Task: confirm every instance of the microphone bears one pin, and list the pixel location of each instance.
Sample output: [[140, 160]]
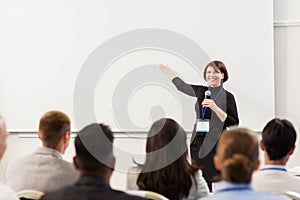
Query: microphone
[[207, 94]]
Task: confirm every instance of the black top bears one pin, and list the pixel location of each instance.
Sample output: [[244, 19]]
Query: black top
[[89, 188], [203, 145], [198, 91]]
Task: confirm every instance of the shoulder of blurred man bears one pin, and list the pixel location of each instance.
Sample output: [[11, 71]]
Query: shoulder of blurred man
[[89, 187]]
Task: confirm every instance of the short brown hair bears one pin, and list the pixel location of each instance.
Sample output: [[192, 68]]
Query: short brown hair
[[52, 126], [218, 66], [237, 150]]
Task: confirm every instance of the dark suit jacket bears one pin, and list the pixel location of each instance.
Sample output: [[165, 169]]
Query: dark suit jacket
[[89, 188]]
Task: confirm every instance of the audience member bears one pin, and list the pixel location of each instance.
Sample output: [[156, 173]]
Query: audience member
[[237, 158], [44, 169], [95, 161], [5, 192], [167, 170], [278, 144]]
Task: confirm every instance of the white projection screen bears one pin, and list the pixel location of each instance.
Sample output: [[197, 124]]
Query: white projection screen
[[98, 60]]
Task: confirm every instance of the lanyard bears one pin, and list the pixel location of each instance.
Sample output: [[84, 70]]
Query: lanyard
[[204, 108]]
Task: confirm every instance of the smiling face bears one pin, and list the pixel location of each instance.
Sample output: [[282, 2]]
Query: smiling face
[[213, 76]]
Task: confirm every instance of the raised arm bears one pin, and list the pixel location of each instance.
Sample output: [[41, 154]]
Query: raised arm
[[188, 89]]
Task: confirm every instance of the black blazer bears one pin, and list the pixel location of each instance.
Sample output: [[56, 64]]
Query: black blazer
[[89, 188]]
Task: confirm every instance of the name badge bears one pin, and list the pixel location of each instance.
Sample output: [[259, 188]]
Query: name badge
[[202, 126]]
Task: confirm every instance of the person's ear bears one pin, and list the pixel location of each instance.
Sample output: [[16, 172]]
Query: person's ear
[[222, 74], [39, 134], [257, 165], [75, 162], [292, 150], [262, 145], [217, 163], [66, 137]]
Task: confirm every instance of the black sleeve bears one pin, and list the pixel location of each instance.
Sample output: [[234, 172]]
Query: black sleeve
[[188, 89], [232, 114]]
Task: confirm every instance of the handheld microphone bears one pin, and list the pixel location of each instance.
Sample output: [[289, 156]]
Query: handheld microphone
[[207, 94]]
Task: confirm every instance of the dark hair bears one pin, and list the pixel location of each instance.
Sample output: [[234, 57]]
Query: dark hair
[[174, 180], [279, 137], [94, 148], [237, 151], [53, 125], [218, 66]]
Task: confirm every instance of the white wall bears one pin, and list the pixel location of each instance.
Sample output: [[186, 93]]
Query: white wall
[[287, 65], [46, 47]]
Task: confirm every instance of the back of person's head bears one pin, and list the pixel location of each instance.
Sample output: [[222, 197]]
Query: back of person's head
[[166, 135], [3, 136], [94, 149], [53, 126], [166, 169], [279, 137], [237, 155]]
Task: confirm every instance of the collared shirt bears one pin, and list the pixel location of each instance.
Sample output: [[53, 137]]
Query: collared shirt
[[42, 170], [273, 167], [275, 178], [48, 151], [227, 191]]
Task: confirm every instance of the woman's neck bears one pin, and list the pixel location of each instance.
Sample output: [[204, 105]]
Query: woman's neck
[[215, 88]]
